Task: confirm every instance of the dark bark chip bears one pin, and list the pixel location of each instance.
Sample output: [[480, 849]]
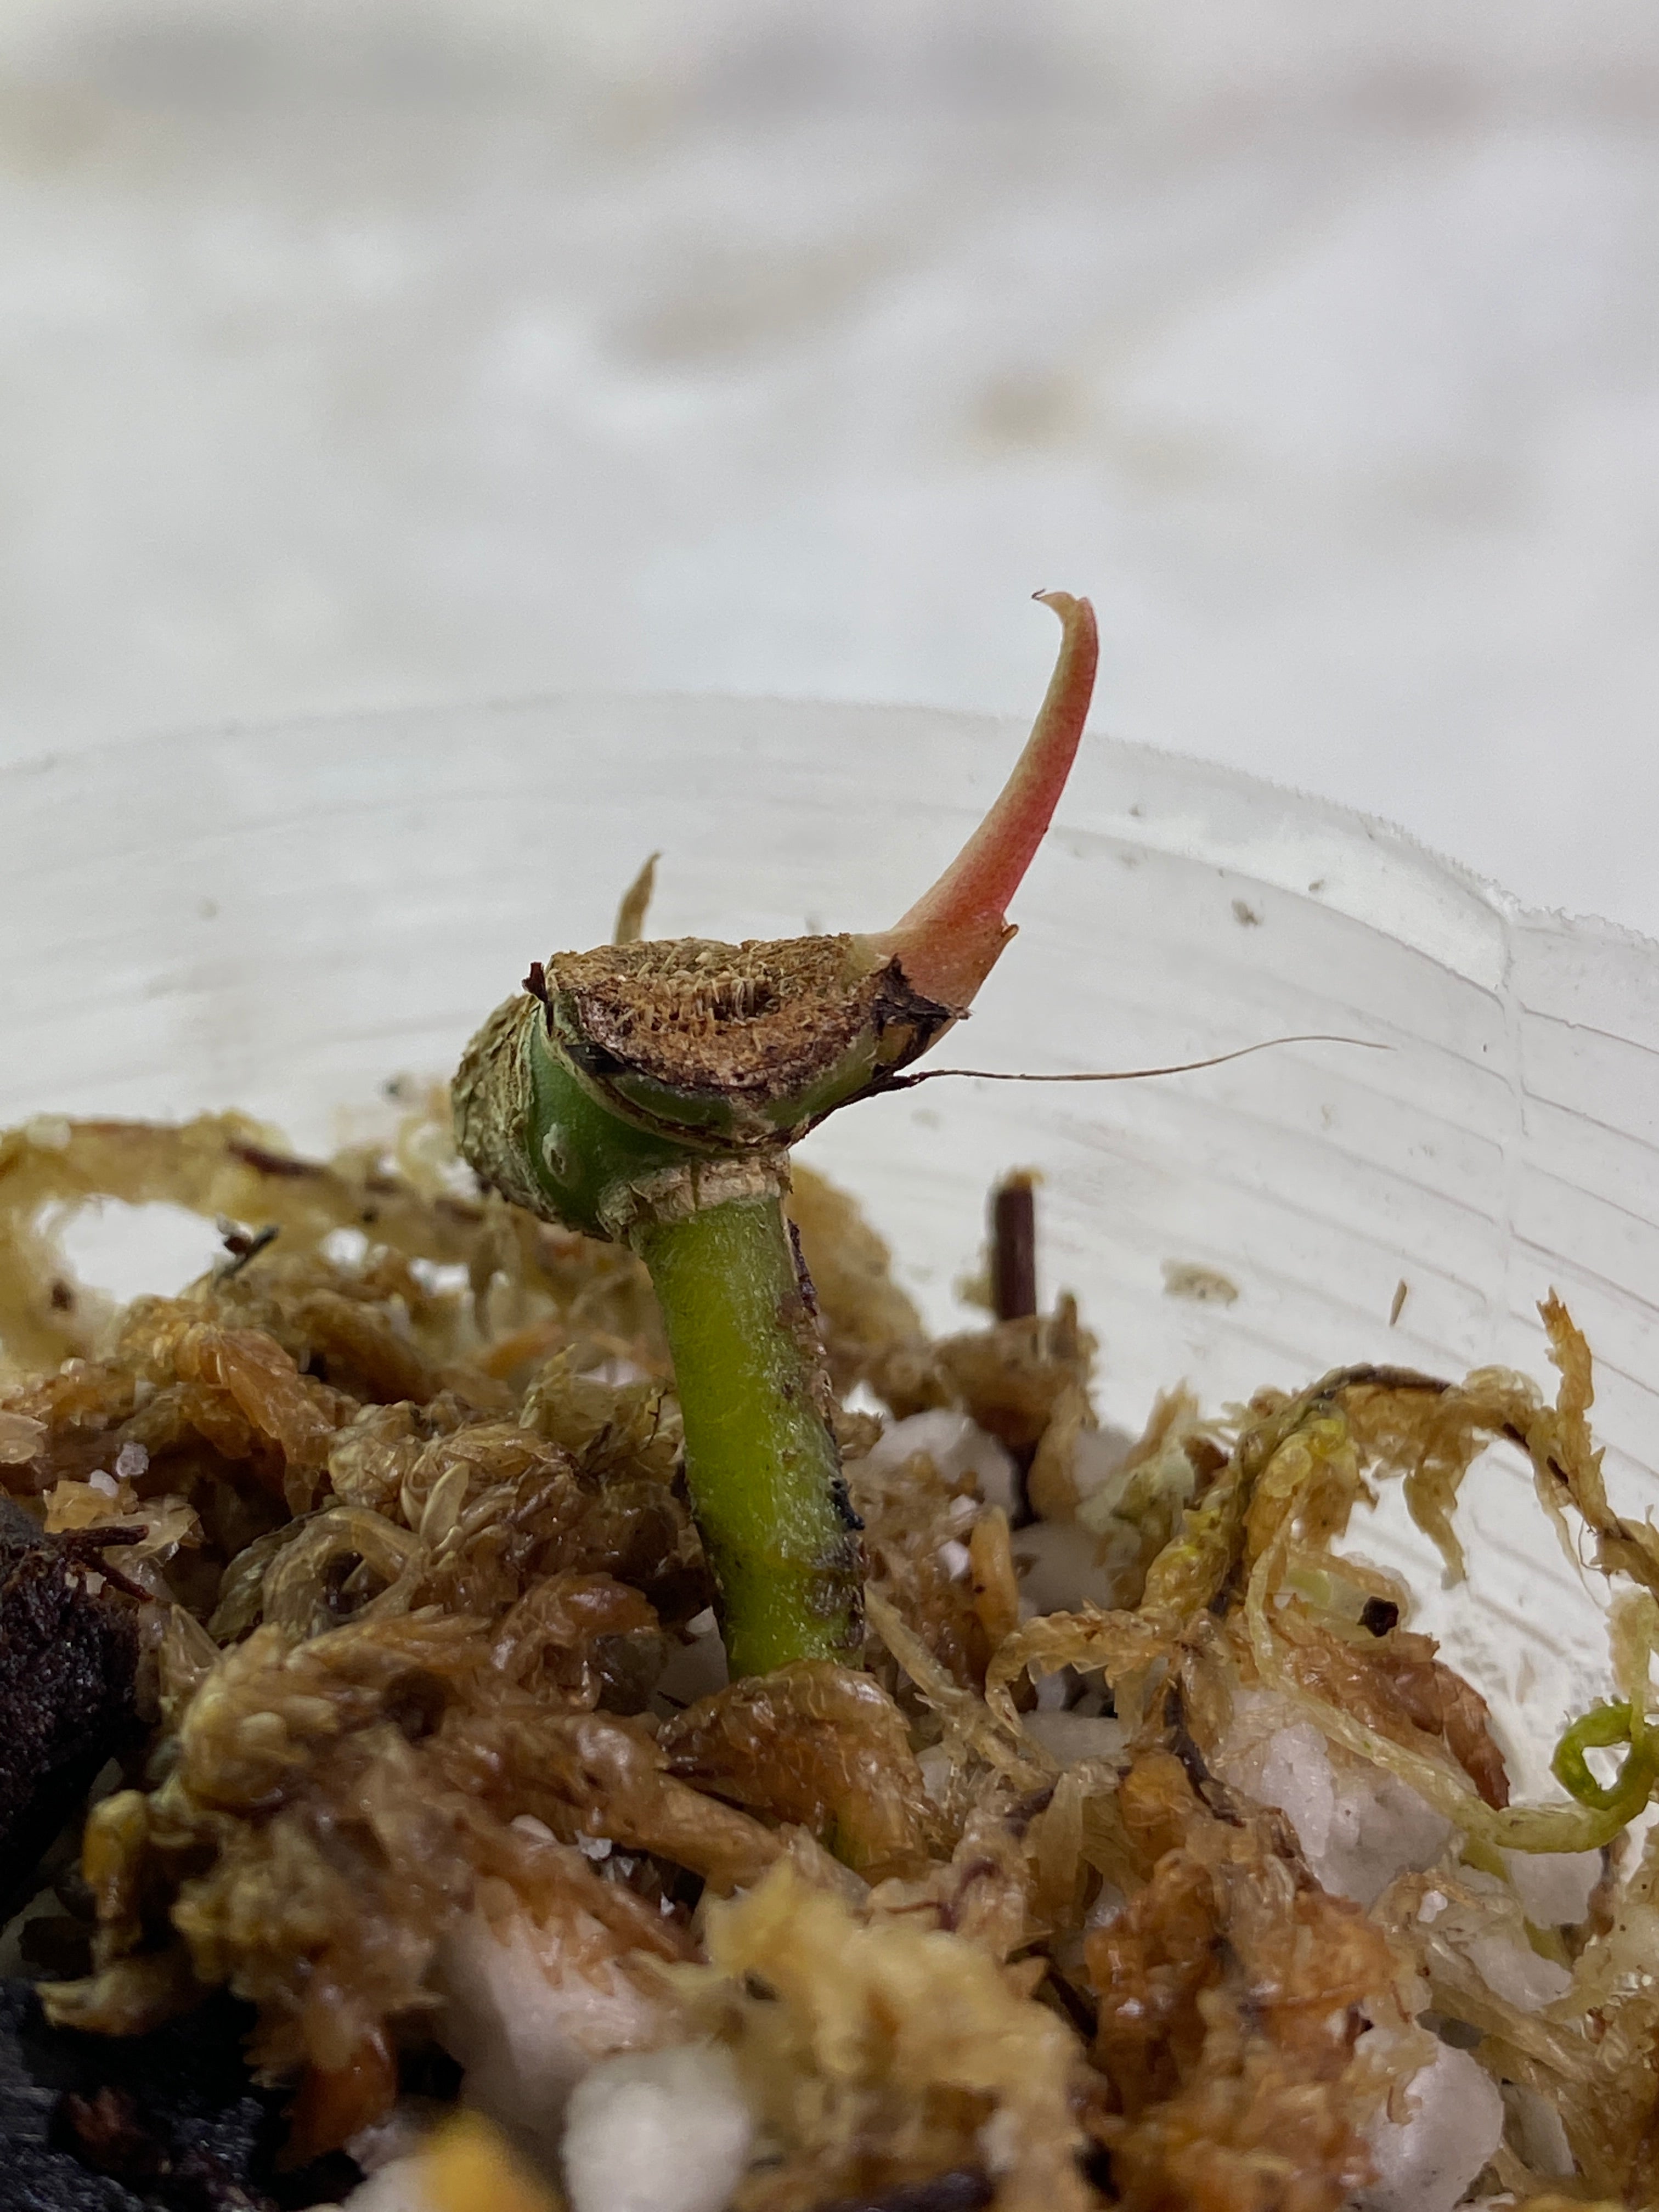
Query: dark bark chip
[[67, 1657], [170, 2122]]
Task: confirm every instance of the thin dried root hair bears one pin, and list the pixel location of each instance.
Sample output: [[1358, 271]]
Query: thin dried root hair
[[1135, 1074]]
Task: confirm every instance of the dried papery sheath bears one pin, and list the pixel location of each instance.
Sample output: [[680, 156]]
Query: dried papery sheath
[[648, 1091]]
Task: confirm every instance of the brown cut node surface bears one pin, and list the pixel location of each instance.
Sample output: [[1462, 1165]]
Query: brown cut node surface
[[762, 1020]]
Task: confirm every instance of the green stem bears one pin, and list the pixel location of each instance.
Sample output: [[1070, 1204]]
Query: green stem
[[762, 1465]]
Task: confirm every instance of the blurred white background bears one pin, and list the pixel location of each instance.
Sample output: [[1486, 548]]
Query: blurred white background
[[367, 351]]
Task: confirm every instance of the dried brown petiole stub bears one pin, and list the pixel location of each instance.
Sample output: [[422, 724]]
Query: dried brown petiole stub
[[649, 1092]]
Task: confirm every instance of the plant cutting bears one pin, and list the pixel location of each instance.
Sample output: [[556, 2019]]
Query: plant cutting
[[650, 1093]]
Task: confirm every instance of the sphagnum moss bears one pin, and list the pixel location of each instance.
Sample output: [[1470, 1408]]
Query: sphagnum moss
[[649, 1092]]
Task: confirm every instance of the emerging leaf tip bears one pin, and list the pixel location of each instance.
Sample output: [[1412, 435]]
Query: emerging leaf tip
[[950, 940]]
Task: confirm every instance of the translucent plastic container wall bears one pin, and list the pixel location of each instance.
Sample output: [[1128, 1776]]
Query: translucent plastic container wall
[[282, 920]]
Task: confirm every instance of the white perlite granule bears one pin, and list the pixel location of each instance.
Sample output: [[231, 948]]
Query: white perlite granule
[[527, 2021], [1513, 1971], [399, 2187], [396, 2136], [956, 1447], [662, 2131], [1454, 2122], [1071, 1737], [1059, 1571], [1555, 1886], [1357, 1825], [1538, 2134]]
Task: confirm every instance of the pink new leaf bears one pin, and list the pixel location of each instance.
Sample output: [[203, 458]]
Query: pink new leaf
[[950, 940]]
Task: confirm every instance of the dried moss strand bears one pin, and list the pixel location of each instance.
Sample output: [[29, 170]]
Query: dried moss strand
[[762, 1465]]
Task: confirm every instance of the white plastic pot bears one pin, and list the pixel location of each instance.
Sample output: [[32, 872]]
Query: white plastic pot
[[283, 919]]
